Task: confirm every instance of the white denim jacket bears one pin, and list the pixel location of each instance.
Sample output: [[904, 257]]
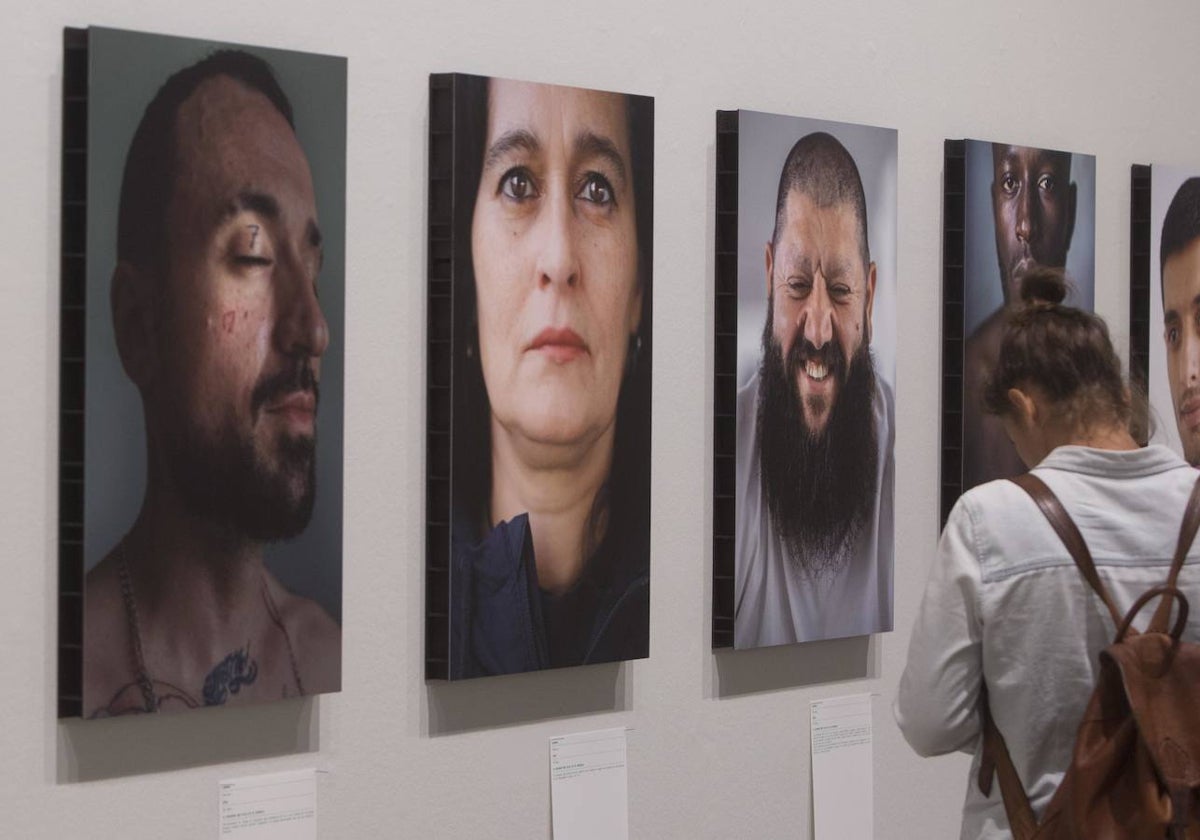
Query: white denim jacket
[[1006, 604]]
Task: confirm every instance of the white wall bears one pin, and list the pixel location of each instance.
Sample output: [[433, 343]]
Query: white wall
[[719, 747]]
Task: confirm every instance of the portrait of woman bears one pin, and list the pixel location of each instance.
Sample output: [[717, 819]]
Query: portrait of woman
[[550, 453]]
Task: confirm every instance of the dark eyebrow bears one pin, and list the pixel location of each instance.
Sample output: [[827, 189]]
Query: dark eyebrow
[[1173, 315], [266, 205], [258, 202], [516, 140], [588, 144]]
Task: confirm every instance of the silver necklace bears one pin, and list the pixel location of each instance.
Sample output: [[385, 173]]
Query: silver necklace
[[149, 695]]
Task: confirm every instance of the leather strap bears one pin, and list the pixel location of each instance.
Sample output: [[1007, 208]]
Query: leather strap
[[1065, 527], [1187, 534], [995, 757]]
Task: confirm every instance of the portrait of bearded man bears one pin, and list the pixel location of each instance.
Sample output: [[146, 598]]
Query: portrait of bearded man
[[815, 420]]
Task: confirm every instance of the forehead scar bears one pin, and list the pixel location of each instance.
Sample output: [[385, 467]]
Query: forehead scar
[[228, 320]]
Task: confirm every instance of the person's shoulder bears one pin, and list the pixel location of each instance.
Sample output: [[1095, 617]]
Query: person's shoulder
[[316, 639], [982, 345], [990, 500], [747, 395]]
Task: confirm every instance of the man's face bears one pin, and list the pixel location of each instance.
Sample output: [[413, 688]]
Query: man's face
[[239, 332], [822, 294], [1181, 334], [1034, 206]]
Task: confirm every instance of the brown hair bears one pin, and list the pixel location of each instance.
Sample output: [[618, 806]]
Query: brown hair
[[1064, 352]]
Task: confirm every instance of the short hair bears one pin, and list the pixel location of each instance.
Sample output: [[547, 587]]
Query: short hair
[[819, 167], [148, 180], [1181, 225], [1064, 351]]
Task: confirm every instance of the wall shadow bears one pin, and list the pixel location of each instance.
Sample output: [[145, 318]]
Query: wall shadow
[[782, 667], [89, 750], [512, 699]]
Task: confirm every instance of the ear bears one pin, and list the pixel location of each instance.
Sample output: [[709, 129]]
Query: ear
[[132, 297], [870, 308], [1025, 408], [770, 269]]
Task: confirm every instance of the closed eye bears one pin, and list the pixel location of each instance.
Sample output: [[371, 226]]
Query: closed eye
[[242, 259]]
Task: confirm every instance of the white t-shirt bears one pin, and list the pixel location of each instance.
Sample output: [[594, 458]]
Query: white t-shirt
[[1006, 604], [773, 603]]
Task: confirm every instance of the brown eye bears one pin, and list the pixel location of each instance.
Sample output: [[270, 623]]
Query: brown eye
[[517, 185], [597, 190]]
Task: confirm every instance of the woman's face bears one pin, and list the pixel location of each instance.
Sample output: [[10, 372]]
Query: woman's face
[[555, 256]]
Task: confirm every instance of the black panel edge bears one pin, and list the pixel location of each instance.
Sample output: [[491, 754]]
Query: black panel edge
[[72, 303], [724, 377], [439, 349], [1139, 293], [953, 216]]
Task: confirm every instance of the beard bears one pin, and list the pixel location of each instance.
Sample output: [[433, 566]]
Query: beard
[[228, 478], [819, 486]]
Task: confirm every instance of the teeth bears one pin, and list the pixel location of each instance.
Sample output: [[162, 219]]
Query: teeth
[[816, 370]]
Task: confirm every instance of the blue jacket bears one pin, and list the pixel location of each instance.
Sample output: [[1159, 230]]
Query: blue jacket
[[502, 623]]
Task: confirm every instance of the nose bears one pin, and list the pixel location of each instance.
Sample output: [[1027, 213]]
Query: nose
[[300, 326], [1191, 350], [816, 315], [558, 256], [1027, 211]]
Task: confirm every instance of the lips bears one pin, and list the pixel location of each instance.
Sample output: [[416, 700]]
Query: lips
[[559, 344], [298, 407], [1189, 412]]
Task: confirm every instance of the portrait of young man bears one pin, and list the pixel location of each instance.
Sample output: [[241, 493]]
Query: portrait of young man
[[1174, 376], [1025, 207], [816, 368], [213, 418]]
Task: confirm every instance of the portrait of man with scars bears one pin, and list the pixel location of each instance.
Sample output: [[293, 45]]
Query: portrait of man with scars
[[215, 301]]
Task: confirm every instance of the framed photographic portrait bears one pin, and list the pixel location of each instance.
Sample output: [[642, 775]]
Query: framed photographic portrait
[[540, 352], [1007, 209], [804, 416], [203, 260], [1164, 287]]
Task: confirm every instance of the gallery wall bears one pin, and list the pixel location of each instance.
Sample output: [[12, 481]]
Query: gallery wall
[[718, 744]]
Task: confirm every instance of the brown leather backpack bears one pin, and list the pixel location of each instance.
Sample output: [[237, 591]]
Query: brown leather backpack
[[1135, 771]]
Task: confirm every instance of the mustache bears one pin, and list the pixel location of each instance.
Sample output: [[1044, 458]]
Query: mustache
[[298, 377]]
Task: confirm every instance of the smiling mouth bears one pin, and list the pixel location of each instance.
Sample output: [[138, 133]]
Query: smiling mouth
[[815, 370]]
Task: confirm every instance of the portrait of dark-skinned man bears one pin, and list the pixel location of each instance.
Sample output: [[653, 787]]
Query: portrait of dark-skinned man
[[815, 413], [212, 516], [1025, 207]]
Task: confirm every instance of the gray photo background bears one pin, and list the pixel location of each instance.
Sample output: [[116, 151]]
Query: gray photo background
[[126, 70], [1164, 183], [764, 141], [981, 266]]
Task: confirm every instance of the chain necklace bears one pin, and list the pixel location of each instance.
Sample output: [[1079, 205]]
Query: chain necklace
[[149, 694]]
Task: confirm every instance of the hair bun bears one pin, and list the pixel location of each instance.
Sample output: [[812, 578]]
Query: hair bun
[[1044, 285]]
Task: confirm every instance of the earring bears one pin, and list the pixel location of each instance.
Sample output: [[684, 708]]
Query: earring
[[631, 354]]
